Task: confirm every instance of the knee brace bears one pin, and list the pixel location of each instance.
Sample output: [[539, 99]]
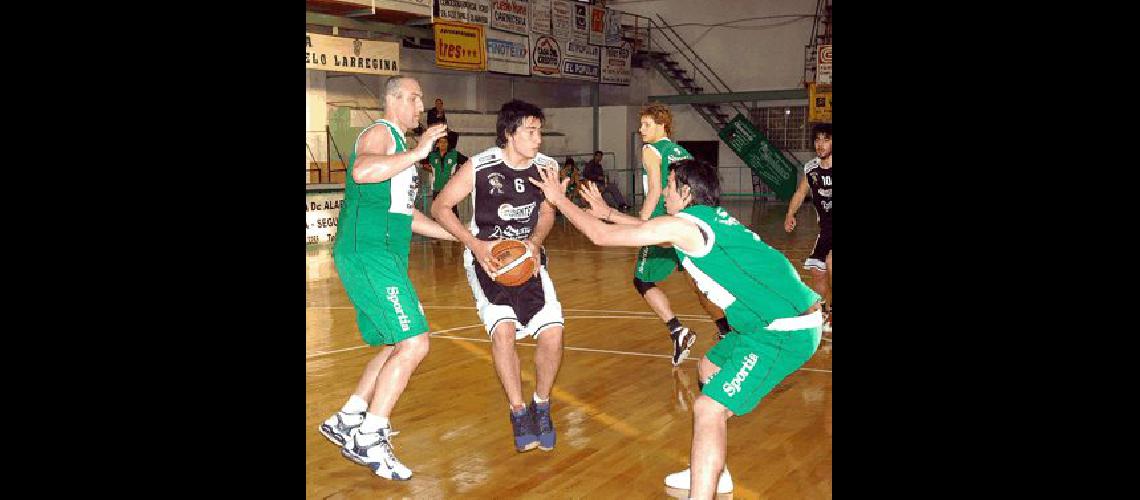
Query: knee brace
[[643, 286]]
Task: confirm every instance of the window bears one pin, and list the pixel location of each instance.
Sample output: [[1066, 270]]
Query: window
[[785, 127]]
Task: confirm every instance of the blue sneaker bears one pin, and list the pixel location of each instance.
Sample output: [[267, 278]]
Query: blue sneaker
[[545, 425], [526, 436]]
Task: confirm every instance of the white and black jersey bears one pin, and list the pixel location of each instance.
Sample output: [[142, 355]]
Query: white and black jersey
[[506, 206], [506, 203], [819, 180]]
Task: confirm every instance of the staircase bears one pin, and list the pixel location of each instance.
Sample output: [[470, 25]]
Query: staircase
[[689, 74]]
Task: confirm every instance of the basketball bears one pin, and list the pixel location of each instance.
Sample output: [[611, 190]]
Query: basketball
[[518, 263]]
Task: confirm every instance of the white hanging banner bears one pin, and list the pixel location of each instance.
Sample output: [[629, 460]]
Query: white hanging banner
[[352, 55], [616, 67], [464, 11], [322, 212], [510, 15], [545, 56], [613, 28], [508, 53], [581, 27], [561, 19], [581, 61], [597, 25], [540, 16], [823, 68]]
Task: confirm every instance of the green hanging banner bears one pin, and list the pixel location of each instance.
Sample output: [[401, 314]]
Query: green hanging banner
[[766, 160]]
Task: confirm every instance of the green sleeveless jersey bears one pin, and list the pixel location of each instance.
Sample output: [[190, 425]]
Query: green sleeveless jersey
[[378, 216], [669, 152], [752, 282], [443, 166]]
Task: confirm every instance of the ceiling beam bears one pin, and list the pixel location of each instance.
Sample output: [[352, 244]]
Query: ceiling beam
[[357, 24], [755, 95]]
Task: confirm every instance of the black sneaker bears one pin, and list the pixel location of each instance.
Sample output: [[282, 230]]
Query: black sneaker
[[683, 340]]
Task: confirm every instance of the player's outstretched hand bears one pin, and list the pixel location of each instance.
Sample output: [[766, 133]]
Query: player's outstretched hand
[[598, 207], [549, 183]]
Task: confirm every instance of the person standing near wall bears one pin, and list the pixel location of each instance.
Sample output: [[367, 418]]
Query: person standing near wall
[[371, 256], [817, 179], [443, 162], [438, 115]]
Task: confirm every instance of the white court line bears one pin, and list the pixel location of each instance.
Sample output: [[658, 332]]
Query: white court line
[[324, 353], [606, 351], [591, 251], [650, 313], [568, 348]]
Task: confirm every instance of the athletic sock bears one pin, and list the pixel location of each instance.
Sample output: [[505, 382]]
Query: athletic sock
[[373, 424], [355, 404]]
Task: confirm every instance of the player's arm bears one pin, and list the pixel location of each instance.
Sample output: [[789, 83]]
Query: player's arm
[[658, 231], [602, 210], [794, 204], [422, 224], [546, 213], [652, 162], [545, 222], [375, 160], [458, 187]]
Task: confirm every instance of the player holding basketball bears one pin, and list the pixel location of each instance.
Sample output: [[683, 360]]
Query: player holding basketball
[[507, 206], [371, 255], [655, 263], [817, 179], [776, 316]]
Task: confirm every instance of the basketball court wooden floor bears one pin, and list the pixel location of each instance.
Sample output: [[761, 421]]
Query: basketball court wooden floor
[[622, 412]]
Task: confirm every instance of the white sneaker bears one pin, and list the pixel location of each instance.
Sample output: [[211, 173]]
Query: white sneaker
[[680, 481], [375, 452], [339, 426]]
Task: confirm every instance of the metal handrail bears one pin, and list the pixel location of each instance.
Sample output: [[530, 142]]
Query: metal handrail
[[328, 139], [687, 58], [320, 179], [683, 42], [698, 56], [738, 106]]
